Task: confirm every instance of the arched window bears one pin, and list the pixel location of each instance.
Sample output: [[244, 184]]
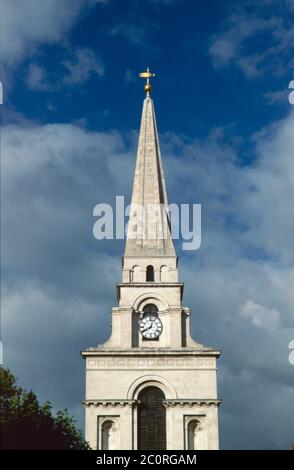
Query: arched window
[[192, 434], [107, 431], [150, 309], [150, 273], [151, 419]]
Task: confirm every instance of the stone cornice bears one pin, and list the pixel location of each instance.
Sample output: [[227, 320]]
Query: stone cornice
[[169, 403], [153, 256], [150, 284], [188, 402], [154, 285], [148, 352], [109, 403]]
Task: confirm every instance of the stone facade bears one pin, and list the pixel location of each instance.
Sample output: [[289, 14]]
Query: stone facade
[[118, 371]]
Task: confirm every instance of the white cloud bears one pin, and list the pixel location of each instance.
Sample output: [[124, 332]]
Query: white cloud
[[135, 35], [270, 202], [83, 64], [260, 316], [227, 46], [27, 24], [277, 97], [233, 44], [36, 77], [222, 50]]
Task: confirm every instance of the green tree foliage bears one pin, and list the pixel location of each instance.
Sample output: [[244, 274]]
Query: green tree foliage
[[25, 424]]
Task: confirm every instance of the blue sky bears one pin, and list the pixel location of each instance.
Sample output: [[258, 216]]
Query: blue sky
[[176, 38], [71, 113]]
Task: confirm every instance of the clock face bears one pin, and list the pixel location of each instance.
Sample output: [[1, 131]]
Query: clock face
[[150, 327]]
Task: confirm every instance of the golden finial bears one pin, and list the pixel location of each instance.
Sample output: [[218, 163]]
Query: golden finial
[[147, 75]]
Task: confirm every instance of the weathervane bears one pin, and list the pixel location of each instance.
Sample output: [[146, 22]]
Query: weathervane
[[147, 75]]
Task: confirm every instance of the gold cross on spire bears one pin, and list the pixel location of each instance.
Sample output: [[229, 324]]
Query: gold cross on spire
[[147, 75]]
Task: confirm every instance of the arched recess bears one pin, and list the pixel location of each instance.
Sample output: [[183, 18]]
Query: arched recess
[[135, 274], [108, 434], [195, 433], [151, 380], [163, 273], [150, 298], [151, 419], [192, 430]]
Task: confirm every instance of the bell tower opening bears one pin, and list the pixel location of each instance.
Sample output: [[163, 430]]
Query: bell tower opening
[[150, 273], [151, 419]]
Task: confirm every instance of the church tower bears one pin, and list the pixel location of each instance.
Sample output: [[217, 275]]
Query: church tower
[[150, 386]]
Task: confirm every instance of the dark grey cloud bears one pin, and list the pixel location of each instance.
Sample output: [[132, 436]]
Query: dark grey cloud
[[59, 283]]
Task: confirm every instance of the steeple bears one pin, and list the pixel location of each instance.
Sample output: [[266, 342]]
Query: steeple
[[153, 238], [150, 385]]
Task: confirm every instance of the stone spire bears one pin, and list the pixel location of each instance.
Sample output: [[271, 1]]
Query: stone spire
[[149, 192]]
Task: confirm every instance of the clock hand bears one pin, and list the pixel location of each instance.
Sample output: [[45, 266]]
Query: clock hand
[[146, 327], [152, 327]]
